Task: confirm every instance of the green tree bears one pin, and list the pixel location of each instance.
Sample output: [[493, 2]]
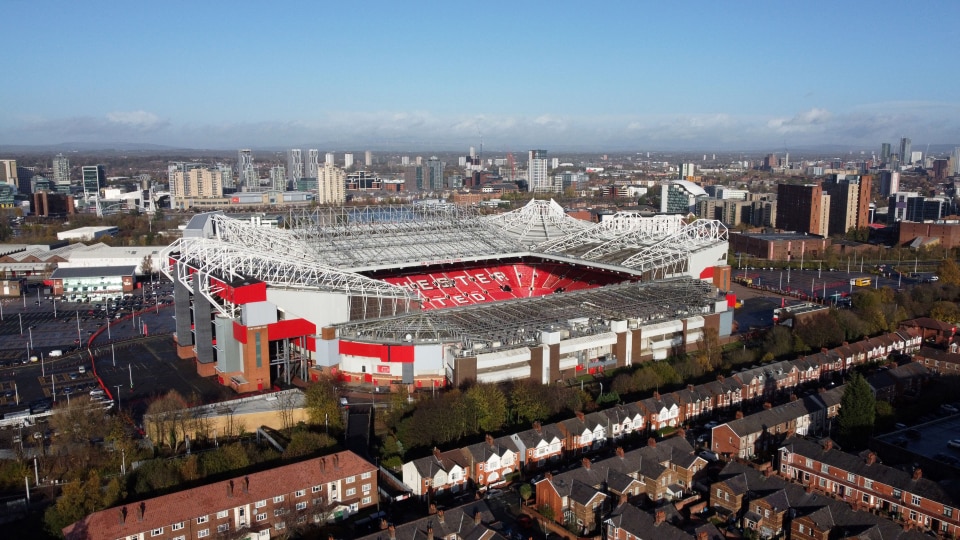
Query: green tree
[[778, 341], [525, 402], [858, 410], [323, 404], [946, 312], [525, 491], [78, 499], [303, 443], [489, 406]]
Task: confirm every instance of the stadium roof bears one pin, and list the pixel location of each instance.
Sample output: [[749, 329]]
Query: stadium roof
[[515, 323], [538, 222]]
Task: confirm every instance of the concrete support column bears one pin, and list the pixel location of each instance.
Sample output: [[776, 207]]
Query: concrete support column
[[202, 324], [181, 313]]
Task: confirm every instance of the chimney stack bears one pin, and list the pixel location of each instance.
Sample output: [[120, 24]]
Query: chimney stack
[[720, 378], [917, 473], [383, 524], [476, 517], [651, 442], [702, 535], [739, 415], [489, 439], [619, 451], [586, 463], [656, 395], [767, 405], [436, 453], [871, 458], [580, 415], [537, 427], [623, 498], [429, 533], [432, 509], [392, 532], [827, 445], [440, 516], [659, 517]]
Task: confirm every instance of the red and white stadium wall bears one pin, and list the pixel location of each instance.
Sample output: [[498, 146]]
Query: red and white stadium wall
[[380, 363]]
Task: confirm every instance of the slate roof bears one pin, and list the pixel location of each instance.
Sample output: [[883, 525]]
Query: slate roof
[[877, 472], [459, 521], [93, 271], [642, 525]]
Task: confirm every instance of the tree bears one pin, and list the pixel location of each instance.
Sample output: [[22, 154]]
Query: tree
[[858, 410], [146, 265], [525, 491], [709, 352], [778, 341], [489, 407], [949, 272], [946, 312], [525, 401], [323, 404], [170, 419], [78, 499]]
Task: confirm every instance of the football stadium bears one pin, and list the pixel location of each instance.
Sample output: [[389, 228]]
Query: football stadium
[[437, 295]]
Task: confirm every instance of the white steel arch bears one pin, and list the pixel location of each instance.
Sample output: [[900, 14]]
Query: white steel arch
[[537, 221], [671, 254]]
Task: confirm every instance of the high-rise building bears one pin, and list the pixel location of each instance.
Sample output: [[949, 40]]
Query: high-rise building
[[278, 178], [897, 205], [955, 162], [94, 179], [313, 163], [538, 181], [889, 183], [8, 172], [247, 174], [194, 181], [347, 161], [850, 197], [61, 172], [368, 158], [404, 161], [226, 175], [680, 197], [921, 209], [905, 151], [885, 153], [329, 158], [294, 167], [799, 208], [554, 163], [331, 185], [687, 170], [435, 174]]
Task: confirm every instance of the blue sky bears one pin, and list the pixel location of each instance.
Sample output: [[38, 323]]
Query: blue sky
[[591, 75]]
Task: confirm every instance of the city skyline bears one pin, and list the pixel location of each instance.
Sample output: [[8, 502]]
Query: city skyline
[[701, 76]]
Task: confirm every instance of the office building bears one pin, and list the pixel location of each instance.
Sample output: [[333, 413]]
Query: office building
[[368, 158], [897, 206], [328, 159], [94, 179], [885, 153], [331, 185], [889, 183], [955, 162], [799, 208], [905, 151], [687, 170], [347, 161], [226, 176], [537, 178], [680, 197], [61, 173], [922, 209], [294, 168]]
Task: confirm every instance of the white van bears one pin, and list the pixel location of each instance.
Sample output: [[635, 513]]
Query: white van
[[82, 370], [55, 353]]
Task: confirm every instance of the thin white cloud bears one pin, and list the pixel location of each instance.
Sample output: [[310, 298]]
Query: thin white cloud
[[138, 120]]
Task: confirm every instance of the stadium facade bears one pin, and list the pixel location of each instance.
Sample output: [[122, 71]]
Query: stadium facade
[[433, 295]]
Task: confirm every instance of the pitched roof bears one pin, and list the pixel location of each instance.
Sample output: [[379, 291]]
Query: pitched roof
[[460, 521], [642, 526], [162, 511]]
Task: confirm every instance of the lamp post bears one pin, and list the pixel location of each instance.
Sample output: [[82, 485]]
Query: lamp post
[[118, 396]]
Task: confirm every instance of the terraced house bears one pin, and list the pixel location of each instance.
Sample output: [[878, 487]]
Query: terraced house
[[257, 505]]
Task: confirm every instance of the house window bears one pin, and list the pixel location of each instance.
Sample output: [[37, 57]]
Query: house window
[[203, 519], [351, 479], [351, 492], [223, 528], [801, 528], [181, 537], [915, 500], [866, 498], [823, 482], [947, 511], [867, 483], [851, 477], [300, 493], [366, 488], [261, 517], [302, 505], [260, 504], [719, 493], [222, 514], [156, 532], [897, 494], [278, 512], [365, 475], [280, 525], [824, 468], [203, 534], [806, 477], [278, 499], [366, 500], [913, 515], [177, 526], [316, 489]]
